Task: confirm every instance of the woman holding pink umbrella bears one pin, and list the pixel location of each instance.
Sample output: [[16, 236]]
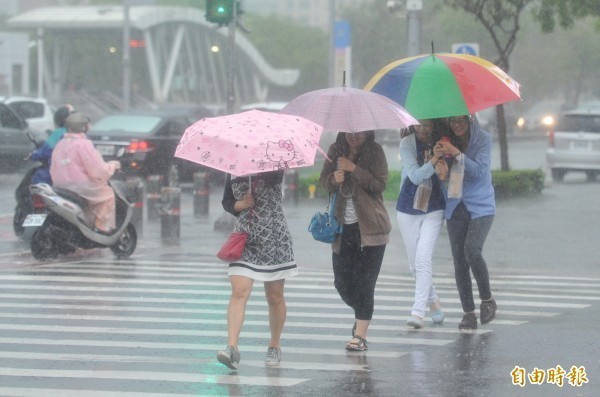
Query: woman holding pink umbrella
[[267, 257]]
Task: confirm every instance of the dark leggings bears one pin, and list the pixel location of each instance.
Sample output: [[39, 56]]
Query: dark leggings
[[355, 271], [467, 237]]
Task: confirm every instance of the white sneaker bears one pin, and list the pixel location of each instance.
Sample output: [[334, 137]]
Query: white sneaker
[[273, 356], [229, 357]]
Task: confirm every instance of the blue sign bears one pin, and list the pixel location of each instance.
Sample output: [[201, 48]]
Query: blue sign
[[466, 48], [342, 34]]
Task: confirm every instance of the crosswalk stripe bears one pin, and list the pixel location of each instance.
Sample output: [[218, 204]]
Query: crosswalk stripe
[[290, 287], [37, 392], [543, 304], [187, 346], [279, 381], [219, 268], [286, 364], [145, 307], [67, 329], [176, 271], [184, 311], [289, 324]]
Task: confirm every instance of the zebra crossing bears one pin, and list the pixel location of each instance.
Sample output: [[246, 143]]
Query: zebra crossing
[[151, 328]]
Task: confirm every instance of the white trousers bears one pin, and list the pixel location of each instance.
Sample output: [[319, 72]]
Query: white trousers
[[420, 233]]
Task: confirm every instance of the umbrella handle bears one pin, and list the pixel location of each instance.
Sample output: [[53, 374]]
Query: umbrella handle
[[324, 154]]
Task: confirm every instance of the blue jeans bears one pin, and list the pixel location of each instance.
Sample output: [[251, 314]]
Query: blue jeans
[[467, 237]]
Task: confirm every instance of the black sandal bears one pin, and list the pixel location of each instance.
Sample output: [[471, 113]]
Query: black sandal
[[357, 344]]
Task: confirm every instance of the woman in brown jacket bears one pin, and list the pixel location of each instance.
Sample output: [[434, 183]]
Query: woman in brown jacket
[[358, 172]]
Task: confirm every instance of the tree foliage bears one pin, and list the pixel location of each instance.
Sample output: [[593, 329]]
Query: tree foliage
[[565, 12], [501, 19], [285, 44]]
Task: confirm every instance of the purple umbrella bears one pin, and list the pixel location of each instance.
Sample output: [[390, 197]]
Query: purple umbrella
[[349, 110]]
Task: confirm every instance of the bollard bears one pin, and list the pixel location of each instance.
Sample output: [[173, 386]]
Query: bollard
[[170, 214], [311, 191], [135, 196], [153, 185], [291, 187], [201, 193]]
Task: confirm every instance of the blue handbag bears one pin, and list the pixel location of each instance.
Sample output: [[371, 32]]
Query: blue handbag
[[323, 225]]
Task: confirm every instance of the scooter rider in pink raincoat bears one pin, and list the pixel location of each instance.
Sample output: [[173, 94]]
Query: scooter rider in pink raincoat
[[77, 166]]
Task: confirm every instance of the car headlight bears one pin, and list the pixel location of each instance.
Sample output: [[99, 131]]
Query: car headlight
[[520, 122], [548, 120]]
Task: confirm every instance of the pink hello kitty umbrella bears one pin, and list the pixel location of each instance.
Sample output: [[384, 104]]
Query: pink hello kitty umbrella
[[251, 142]]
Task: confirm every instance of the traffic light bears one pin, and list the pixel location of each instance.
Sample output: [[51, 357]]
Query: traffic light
[[219, 11]]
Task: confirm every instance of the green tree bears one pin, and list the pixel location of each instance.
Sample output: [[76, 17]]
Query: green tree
[[502, 21], [566, 12], [285, 44]]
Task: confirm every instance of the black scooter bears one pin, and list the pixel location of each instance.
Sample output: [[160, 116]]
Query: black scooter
[[65, 228]]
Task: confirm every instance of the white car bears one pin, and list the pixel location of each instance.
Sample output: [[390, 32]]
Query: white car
[[36, 111], [574, 145]]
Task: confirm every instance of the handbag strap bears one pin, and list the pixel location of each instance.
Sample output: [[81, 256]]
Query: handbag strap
[[331, 205]]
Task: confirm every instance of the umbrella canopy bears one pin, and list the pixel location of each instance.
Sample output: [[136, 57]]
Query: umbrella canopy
[[349, 110], [444, 85], [251, 142]]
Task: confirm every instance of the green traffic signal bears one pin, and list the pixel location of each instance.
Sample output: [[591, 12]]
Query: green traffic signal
[[219, 11]]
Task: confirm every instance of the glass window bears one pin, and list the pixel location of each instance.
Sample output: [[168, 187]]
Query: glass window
[[8, 119], [177, 126], [132, 124], [28, 110], [575, 123]]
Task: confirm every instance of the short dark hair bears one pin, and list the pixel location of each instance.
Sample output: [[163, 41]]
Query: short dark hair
[[61, 114]]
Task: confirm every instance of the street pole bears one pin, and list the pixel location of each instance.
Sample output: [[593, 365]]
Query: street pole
[[331, 69], [231, 68], [126, 57], [41, 60], [414, 32]]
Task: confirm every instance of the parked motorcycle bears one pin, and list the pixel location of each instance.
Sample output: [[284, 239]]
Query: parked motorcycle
[[64, 227]]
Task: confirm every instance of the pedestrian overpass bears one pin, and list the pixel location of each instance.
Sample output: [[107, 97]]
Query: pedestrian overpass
[[175, 56]]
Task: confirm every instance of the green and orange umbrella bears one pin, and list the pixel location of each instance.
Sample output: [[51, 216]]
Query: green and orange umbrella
[[444, 85]]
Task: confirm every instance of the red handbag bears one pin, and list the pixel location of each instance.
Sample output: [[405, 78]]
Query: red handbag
[[233, 247]]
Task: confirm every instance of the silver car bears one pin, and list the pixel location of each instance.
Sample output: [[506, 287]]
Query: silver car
[[574, 145], [15, 145]]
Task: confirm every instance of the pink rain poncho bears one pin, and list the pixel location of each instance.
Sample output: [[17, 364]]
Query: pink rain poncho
[[77, 166]]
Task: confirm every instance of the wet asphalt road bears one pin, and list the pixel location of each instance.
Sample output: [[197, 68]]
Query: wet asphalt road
[[89, 313]]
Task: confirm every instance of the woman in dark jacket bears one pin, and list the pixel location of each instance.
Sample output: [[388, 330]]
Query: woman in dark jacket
[[358, 172]]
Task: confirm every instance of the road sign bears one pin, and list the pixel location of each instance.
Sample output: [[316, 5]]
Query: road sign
[[466, 48], [342, 69]]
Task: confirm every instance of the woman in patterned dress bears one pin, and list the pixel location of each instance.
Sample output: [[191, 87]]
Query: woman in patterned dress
[[267, 257]]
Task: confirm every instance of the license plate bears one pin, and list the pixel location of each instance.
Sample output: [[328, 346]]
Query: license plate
[[34, 220], [106, 150], [581, 145]]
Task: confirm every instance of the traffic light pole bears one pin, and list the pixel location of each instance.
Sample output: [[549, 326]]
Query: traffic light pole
[[126, 57], [231, 62]]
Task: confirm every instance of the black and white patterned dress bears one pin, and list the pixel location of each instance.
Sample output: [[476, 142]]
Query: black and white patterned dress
[[268, 254]]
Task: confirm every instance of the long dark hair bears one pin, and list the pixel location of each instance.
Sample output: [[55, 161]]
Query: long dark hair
[[340, 140]]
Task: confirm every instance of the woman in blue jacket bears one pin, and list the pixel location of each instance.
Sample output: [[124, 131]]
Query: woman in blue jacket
[[469, 215]]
